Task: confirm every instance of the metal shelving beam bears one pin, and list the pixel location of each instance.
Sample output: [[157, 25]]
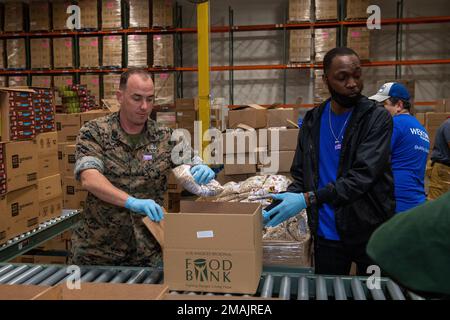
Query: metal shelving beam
[[27, 241]]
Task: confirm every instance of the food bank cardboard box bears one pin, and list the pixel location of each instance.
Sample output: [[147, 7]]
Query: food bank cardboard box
[[213, 247], [47, 144], [21, 164], [252, 115], [22, 210], [67, 125]]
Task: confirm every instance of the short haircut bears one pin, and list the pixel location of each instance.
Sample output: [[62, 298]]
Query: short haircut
[[406, 103], [127, 74], [330, 55]]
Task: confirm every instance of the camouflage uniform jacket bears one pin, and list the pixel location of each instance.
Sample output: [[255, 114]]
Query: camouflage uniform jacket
[[108, 234]]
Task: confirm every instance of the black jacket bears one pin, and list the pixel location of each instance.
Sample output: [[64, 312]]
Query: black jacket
[[363, 194]]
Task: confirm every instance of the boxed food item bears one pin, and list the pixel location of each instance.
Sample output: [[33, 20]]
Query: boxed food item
[[63, 53], [74, 195], [137, 50], [21, 163], [40, 53], [62, 81], [252, 115], [49, 187], [299, 10], [17, 81], [44, 107], [14, 16], [162, 13], [300, 43], [68, 126], [69, 159], [219, 249], [92, 82], [41, 81], [139, 13], [61, 156], [89, 52], [39, 15], [59, 10], [16, 54], [357, 9], [22, 210], [47, 144], [89, 14], [111, 14], [164, 88], [324, 41], [358, 39], [111, 84], [112, 51], [326, 9], [50, 209], [163, 53]]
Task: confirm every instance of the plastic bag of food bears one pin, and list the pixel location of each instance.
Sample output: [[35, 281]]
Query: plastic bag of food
[[184, 176]]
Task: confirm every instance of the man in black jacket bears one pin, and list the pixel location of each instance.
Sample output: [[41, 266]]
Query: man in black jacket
[[341, 170]]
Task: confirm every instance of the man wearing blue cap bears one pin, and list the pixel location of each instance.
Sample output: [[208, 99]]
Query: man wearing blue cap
[[409, 146]]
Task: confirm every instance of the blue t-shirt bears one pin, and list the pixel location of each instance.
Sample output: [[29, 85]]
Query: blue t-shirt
[[410, 145], [329, 152]]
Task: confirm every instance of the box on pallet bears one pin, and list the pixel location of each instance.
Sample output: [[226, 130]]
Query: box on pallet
[[324, 41], [163, 50], [59, 10], [13, 16], [63, 53], [326, 9], [17, 114], [137, 50], [111, 84], [357, 9], [112, 51], [164, 88], [111, 14], [41, 81], [15, 53], [282, 117], [300, 43], [358, 39], [89, 13], [252, 115], [39, 15], [139, 11], [40, 53], [92, 82], [162, 13], [89, 52], [299, 10], [91, 115]]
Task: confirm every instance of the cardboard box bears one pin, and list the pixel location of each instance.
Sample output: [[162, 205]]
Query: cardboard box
[[185, 104], [48, 165], [40, 53], [421, 118], [59, 10], [278, 117], [17, 81], [137, 50], [139, 13], [111, 14], [326, 9], [20, 292], [89, 57], [89, 14], [162, 13], [300, 44], [112, 51], [47, 143], [167, 119], [287, 253], [41, 81], [252, 115], [17, 114], [13, 16], [15, 53], [2, 57], [286, 139], [163, 52], [69, 159], [239, 141], [358, 39], [50, 208], [164, 88], [321, 92], [21, 164], [172, 201], [49, 187], [3, 82], [442, 105], [276, 161], [241, 163], [92, 81], [61, 155], [299, 10], [39, 15], [435, 119], [62, 53], [222, 178], [219, 249], [111, 84], [22, 210], [91, 115], [4, 221], [74, 195], [105, 291], [173, 186], [324, 41], [68, 126], [357, 9], [61, 81]]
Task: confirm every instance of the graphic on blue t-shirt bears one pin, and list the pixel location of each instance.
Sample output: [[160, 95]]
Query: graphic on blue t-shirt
[[410, 145], [332, 129]]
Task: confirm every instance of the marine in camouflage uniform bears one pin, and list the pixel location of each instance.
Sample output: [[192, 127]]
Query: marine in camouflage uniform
[[109, 234]]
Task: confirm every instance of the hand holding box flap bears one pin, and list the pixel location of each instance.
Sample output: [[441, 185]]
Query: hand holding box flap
[[156, 229]]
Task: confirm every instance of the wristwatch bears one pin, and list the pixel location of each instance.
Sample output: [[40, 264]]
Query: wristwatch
[[312, 198]]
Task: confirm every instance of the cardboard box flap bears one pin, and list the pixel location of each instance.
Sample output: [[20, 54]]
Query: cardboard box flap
[[20, 292], [156, 229], [214, 225], [251, 105], [17, 89]]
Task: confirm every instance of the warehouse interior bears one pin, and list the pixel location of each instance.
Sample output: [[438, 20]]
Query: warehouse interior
[[241, 67]]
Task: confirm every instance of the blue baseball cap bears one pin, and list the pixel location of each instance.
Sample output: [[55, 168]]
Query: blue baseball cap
[[391, 90]]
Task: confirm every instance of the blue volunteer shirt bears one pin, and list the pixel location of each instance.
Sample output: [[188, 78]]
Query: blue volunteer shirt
[[410, 145], [329, 152]]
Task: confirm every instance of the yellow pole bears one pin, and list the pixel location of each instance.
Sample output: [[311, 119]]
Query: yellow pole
[[203, 29]]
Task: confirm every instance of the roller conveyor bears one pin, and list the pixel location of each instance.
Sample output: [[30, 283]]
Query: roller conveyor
[[284, 284]]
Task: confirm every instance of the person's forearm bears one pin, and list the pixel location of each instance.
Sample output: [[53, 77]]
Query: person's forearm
[[97, 184]]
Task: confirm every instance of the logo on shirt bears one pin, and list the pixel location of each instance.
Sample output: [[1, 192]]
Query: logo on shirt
[[422, 134]]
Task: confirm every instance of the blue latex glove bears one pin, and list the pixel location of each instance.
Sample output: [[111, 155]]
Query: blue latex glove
[[291, 205], [145, 206], [202, 174]]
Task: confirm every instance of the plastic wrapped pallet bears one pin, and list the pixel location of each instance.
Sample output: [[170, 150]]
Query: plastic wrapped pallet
[[111, 14], [62, 52], [299, 10], [163, 50], [40, 53], [357, 9], [326, 9], [164, 88], [92, 82], [112, 51], [17, 81], [300, 45], [15, 52], [41, 81], [139, 13], [89, 52], [39, 15], [13, 13], [111, 84], [320, 90], [162, 13], [324, 40], [2, 52], [358, 39], [89, 14], [59, 10], [137, 50]]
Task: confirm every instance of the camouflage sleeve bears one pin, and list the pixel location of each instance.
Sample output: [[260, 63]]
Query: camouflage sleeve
[[88, 153], [181, 150]]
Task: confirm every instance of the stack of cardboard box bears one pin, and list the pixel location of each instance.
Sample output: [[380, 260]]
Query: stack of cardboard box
[[186, 114], [89, 52], [44, 108], [163, 50], [111, 14], [112, 51], [326, 10], [358, 39], [357, 9], [15, 52], [63, 53], [300, 45], [40, 53], [62, 81], [111, 84], [324, 40], [59, 10], [17, 81], [137, 50], [320, 90], [164, 88], [14, 18], [162, 13], [39, 15], [89, 14], [92, 82], [139, 13], [299, 10]]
